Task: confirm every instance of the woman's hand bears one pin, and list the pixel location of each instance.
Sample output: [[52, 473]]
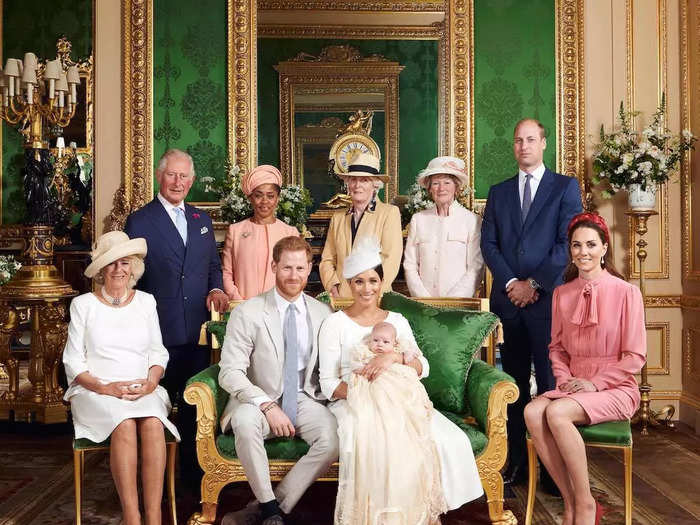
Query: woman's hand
[[335, 291], [379, 364], [116, 388], [136, 390], [576, 384]]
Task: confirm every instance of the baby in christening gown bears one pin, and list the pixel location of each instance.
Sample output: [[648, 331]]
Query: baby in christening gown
[[395, 465]]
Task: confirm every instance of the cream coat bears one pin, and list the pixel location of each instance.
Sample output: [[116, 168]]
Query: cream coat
[[252, 357], [443, 257], [384, 223]]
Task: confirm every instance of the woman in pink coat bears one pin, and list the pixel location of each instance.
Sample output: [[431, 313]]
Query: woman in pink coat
[[248, 247], [598, 344]]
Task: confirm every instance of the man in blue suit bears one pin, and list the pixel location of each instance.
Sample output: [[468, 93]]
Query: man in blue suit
[[183, 272], [524, 244]]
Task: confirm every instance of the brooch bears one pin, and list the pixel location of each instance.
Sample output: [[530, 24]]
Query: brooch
[[245, 234], [203, 230], [195, 215]]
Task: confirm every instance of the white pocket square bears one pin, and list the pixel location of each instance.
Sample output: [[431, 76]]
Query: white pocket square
[[203, 230]]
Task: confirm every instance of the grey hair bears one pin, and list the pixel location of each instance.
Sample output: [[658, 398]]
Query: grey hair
[[376, 182], [458, 184], [137, 269], [174, 152]]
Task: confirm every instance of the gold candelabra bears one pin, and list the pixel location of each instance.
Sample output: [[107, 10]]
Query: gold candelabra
[[36, 94], [645, 416]]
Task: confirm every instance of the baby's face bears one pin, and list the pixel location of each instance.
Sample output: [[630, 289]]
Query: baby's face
[[383, 339]]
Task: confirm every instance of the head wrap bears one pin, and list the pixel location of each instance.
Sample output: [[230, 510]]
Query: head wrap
[[589, 217], [365, 255], [264, 174]]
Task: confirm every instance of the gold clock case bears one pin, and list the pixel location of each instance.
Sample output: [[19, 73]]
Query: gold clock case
[[338, 147]]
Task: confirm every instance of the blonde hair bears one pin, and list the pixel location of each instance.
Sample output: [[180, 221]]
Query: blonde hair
[[137, 269]]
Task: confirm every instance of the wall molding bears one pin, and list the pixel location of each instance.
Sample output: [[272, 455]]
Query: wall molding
[[662, 301], [664, 367]]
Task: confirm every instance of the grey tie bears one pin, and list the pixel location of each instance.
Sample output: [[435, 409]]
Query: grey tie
[[181, 224], [527, 197], [291, 373]]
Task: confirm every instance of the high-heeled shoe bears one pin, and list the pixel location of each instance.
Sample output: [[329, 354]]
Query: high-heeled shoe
[[598, 512]]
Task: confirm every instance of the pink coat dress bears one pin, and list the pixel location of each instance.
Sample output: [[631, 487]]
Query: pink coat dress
[[247, 255], [598, 334]]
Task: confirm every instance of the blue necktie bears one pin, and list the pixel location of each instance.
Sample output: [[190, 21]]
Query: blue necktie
[[527, 197], [291, 373], [181, 224]]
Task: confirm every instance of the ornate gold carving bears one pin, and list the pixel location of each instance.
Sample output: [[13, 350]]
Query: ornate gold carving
[[431, 32], [8, 330], [357, 5], [664, 367], [691, 346], [690, 302], [629, 55], [137, 60], [339, 54], [53, 334], [571, 133], [242, 83], [662, 301]]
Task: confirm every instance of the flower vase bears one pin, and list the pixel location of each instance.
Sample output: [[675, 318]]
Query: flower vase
[[639, 199]]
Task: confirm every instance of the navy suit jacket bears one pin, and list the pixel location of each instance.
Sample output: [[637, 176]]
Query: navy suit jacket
[[179, 277], [538, 248]]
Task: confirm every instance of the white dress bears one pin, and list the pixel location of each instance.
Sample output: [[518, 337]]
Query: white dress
[[113, 344], [338, 337]]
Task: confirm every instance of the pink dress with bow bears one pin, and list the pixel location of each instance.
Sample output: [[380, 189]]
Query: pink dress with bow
[[598, 334]]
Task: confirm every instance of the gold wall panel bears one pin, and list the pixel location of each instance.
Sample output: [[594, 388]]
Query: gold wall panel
[[691, 362], [357, 5], [658, 348]]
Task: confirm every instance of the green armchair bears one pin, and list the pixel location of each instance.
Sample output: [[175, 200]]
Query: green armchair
[[481, 414]]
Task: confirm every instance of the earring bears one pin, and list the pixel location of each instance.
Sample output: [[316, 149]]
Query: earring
[[602, 262]]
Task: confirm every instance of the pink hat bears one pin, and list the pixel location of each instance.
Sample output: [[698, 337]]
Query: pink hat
[[264, 174]]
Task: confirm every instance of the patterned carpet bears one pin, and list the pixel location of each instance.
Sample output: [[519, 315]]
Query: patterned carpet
[[36, 485]]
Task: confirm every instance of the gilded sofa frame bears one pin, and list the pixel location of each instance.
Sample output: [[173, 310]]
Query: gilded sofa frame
[[220, 471]]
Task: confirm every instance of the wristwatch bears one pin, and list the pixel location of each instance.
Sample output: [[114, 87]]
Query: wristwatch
[[533, 284]]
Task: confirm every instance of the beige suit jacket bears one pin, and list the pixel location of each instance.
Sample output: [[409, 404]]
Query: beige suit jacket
[[384, 223], [252, 357]]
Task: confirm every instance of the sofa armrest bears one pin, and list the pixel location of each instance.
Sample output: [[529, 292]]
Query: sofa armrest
[[203, 390], [489, 391]]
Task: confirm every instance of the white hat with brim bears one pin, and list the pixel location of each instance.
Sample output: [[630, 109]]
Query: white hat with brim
[[365, 165], [111, 247], [365, 255], [444, 166]]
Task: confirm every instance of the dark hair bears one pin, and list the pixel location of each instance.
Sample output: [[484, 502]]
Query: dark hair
[[379, 269], [278, 189], [543, 131], [571, 271], [293, 243]]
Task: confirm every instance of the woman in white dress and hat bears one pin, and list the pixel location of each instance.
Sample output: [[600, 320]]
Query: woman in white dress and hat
[[442, 256], [367, 216], [114, 359]]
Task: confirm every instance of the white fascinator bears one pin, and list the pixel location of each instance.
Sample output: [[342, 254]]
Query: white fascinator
[[365, 255]]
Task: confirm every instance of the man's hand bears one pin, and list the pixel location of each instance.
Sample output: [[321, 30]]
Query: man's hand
[[217, 300], [521, 293], [576, 384], [280, 424]]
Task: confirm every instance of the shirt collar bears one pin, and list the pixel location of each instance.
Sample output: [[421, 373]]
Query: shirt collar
[[282, 303], [371, 207], [537, 173], [169, 207]]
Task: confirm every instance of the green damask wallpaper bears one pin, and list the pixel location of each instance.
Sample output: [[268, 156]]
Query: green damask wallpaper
[[418, 108], [189, 94], [514, 77], [36, 26]]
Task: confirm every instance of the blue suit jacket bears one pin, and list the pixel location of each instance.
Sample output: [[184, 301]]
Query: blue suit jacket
[[538, 248], [179, 278]]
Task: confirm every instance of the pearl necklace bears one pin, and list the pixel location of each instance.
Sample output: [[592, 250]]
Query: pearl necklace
[[116, 301]]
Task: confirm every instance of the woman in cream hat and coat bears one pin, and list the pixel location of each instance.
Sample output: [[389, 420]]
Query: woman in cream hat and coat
[[443, 257], [367, 217], [114, 359]]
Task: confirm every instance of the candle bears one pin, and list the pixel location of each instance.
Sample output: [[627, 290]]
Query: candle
[[60, 144], [60, 99], [30, 94]]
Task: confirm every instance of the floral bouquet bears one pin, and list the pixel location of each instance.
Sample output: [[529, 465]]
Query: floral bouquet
[[626, 158], [8, 268], [419, 199], [235, 206]]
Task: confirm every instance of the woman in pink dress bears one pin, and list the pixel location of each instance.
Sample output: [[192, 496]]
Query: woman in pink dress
[[248, 247], [598, 344]]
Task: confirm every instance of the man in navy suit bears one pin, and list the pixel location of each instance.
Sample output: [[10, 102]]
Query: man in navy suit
[[524, 244], [183, 272]]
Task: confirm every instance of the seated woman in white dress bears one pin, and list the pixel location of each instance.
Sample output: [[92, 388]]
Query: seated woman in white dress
[[387, 455], [114, 360]]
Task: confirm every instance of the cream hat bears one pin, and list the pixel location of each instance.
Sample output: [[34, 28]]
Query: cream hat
[[364, 165], [112, 246], [365, 255], [444, 166]]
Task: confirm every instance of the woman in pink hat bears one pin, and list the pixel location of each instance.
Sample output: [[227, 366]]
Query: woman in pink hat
[[247, 253], [442, 256]]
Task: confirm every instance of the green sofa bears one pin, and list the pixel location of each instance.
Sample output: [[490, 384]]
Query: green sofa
[[478, 406]]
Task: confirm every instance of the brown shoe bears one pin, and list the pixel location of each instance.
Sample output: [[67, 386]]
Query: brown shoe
[[250, 515]]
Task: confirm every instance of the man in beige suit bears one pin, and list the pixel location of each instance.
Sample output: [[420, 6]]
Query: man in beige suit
[[269, 365], [367, 217]]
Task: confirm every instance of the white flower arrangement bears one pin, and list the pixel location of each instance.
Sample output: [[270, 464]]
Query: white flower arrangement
[[624, 158], [8, 268]]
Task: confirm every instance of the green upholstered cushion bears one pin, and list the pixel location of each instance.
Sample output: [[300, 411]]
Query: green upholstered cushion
[[324, 297], [477, 438], [210, 376], [448, 338], [480, 381], [86, 444], [217, 328], [610, 433], [277, 448]]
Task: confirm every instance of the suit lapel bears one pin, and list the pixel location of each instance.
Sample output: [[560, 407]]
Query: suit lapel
[[515, 207], [193, 235], [541, 197], [367, 223], [347, 230], [272, 322], [166, 227]]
